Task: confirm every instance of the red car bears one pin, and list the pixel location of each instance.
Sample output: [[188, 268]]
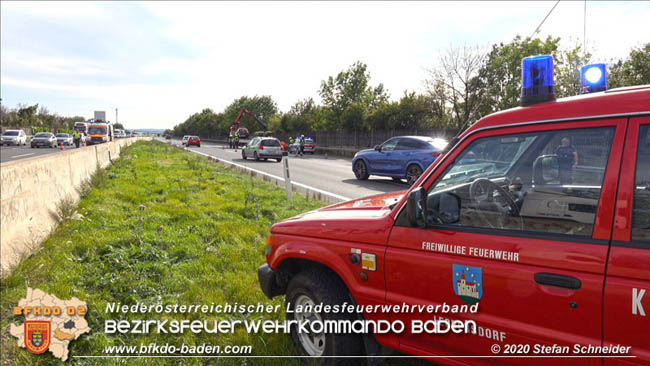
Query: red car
[[532, 231], [194, 140]]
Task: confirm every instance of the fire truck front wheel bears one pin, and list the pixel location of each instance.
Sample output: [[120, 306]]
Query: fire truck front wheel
[[311, 288]]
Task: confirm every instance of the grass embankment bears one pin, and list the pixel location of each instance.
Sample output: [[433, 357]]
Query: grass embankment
[[214, 223]]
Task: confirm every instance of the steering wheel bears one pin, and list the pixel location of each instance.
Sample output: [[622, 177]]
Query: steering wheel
[[490, 210]]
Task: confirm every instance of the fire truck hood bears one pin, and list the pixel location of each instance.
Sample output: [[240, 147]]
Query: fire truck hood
[[357, 217], [378, 201]]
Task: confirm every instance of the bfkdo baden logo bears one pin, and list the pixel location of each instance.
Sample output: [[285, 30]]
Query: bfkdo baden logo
[[468, 283], [50, 323]]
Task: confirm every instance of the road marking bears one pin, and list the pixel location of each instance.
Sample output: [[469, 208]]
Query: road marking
[[334, 195], [18, 156]]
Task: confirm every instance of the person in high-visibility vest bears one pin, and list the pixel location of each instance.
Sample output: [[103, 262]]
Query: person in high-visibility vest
[[77, 138], [302, 145], [236, 139], [230, 139]]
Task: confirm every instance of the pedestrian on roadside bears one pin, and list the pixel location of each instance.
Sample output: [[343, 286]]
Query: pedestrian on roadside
[[231, 137], [76, 136], [236, 140], [302, 145], [284, 145]]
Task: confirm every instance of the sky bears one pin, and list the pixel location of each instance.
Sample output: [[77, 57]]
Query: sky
[[160, 62]]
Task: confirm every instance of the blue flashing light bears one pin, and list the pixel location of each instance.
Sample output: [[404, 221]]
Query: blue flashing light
[[593, 78], [538, 85]]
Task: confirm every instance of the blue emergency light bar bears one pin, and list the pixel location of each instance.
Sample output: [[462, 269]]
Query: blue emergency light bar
[[538, 85], [593, 78]]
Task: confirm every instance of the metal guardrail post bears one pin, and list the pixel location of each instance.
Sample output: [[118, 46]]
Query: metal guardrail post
[[287, 177]]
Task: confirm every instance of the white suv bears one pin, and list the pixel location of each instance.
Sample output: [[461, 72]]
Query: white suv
[[14, 137]]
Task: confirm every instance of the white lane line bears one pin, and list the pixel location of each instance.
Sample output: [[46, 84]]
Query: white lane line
[[18, 156], [334, 195]]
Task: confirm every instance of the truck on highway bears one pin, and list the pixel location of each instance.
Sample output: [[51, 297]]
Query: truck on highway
[[100, 116], [528, 236], [99, 133], [81, 127]]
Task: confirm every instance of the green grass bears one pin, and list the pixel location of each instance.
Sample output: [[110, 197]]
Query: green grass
[[215, 222]]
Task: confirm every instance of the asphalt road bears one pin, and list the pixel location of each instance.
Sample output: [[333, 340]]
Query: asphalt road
[[12, 153], [332, 175]]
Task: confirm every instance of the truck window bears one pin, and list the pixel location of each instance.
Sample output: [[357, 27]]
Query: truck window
[[641, 213], [542, 182]]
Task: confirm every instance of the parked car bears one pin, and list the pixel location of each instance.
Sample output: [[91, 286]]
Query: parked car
[[45, 139], [243, 133], [184, 140], [310, 146], [538, 216], [168, 137], [403, 157], [14, 137], [63, 138], [263, 148], [193, 140]]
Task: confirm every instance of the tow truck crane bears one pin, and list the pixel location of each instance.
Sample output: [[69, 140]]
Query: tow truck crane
[[235, 125]]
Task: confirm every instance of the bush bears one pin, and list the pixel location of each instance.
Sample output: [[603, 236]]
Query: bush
[[36, 130]]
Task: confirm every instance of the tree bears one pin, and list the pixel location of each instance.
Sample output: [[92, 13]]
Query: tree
[[437, 96], [263, 107], [499, 79], [457, 74], [300, 117], [567, 71], [634, 70], [118, 126], [27, 116], [350, 97]]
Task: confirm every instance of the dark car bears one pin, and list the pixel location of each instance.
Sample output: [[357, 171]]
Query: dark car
[[243, 133], [45, 139], [403, 157]]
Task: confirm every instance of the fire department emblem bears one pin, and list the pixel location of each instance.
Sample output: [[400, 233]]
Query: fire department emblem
[[468, 283], [37, 335]]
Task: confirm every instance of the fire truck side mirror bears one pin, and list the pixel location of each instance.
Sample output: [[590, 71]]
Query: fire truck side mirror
[[416, 207]]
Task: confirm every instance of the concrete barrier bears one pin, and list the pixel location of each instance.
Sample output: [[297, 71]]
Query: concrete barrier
[[33, 188]]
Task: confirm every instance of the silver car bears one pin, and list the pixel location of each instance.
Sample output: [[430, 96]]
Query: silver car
[[14, 137], [64, 138], [45, 139], [263, 148]]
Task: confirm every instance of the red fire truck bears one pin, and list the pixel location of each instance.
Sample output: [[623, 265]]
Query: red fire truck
[[539, 216]]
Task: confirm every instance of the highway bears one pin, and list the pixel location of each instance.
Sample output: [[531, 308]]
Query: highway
[[13, 153], [332, 175]]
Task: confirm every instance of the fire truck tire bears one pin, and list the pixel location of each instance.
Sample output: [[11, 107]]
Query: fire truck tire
[[313, 287]]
